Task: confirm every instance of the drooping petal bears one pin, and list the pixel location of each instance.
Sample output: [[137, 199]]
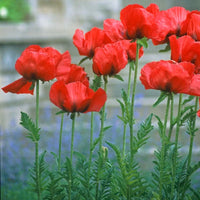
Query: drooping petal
[[20, 86]]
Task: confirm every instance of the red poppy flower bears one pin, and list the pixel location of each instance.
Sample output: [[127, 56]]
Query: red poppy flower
[[168, 22], [181, 48], [137, 21], [192, 25], [35, 63], [87, 43], [114, 29], [68, 72], [130, 48], [167, 76], [185, 49], [76, 97], [110, 59]]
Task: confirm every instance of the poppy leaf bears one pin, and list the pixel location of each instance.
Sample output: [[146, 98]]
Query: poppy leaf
[[161, 98], [29, 125], [117, 76]]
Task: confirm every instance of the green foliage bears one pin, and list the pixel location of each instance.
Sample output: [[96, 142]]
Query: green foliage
[[54, 190], [43, 175], [29, 125], [97, 83], [161, 98], [142, 133], [14, 11], [125, 105]]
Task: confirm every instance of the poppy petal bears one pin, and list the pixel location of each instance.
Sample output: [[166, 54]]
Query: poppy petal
[[20, 86]]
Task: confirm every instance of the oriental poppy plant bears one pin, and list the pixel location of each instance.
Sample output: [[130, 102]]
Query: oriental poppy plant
[[35, 63], [86, 44], [167, 76], [137, 20], [76, 97], [110, 59]]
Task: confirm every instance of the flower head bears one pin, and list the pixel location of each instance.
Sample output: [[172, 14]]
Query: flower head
[[76, 97], [168, 22], [86, 44], [167, 76], [35, 63], [137, 20], [110, 59], [187, 49]]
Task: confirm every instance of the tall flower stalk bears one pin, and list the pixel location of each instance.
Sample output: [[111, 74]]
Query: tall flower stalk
[[131, 121], [60, 142], [73, 117], [36, 144]]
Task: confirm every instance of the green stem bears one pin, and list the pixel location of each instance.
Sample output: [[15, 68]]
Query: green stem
[[192, 135], [128, 95], [91, 142], [60, 141], [176, 145], [163, 147], [36, 143], [101, 141], [171, 117], [191, 146], [129, 78], [131, 122], [72, 136], [102, 117]]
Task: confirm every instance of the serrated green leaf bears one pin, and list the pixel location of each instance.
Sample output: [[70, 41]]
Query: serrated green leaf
[[96, 141], [29, 125], [161, 98], [106, 128]]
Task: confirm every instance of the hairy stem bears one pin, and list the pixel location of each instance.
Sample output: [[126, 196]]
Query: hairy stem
[[176, 145], [163, 147], [36, 143], [171, 117], [91, 142], [131, 121], [60, 141], [101, 141], [73, 116]]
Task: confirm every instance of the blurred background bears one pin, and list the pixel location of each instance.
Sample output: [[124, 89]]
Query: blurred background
[[53, 23]]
